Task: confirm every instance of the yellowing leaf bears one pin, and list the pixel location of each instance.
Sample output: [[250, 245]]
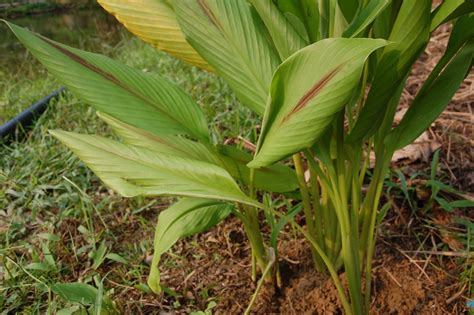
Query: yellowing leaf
[[154, 21]]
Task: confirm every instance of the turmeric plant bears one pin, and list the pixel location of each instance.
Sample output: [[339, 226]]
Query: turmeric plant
[[325, 77]]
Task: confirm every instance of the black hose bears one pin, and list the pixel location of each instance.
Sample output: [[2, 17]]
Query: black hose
[[26, 117]]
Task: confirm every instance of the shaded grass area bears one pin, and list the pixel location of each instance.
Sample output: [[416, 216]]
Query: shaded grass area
[[58, 223]]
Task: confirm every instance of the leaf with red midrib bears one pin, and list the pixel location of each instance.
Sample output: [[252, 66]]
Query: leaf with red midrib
[[145, 101], [318, 86], [307, 92]]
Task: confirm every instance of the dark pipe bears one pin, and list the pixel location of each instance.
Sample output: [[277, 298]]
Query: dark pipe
[[25, 118]]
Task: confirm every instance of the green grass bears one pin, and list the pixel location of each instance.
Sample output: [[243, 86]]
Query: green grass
[[20, 89], [55, 212]]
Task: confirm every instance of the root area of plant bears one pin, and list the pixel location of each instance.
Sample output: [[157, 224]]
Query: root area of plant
[[218, 269]]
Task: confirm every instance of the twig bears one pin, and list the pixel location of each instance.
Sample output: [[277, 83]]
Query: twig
[[443, 253], [392, 277], [414, 262], [456, 295]]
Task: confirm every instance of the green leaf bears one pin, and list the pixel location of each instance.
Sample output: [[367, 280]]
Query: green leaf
[[449, 10], [428, 105], [383, 212], [278, 178], [73, 310], [170, 145], [368, 14], [232, 40], [333, 19], [116, 258], [349, 8], [450, 206], [46, 267], [99, 298], [76, 292], [133, 171], [383, 24], [281, 224], [462, 31], [184, 218], [308, 89], [434, 164], [98, 256], [284, 36], [49, 237], [340, 23], [275, 178], [155, 22], [143, 100], [48, 256], [409, 36], [303, 15]]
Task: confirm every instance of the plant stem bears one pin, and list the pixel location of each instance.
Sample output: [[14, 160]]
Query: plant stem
[[370, 200], [332, 237], [349, 249], [252, 229], [317, 208], [308, 211], [332, 271], [371, 232], [254, 266]]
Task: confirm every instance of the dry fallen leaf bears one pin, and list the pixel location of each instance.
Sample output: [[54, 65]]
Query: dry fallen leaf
[[420, 149]]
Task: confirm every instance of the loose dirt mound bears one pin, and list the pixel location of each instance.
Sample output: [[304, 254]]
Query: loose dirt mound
[[401, 284], [399, 287]]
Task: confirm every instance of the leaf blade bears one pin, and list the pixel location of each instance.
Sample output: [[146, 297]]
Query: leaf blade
[[409, 36], [448, 10], [184, 218], [143, 100], [154, 21], [368, 14], [133, 171], [228, 36], [428, 105], [284, 36], [277, 178], [304, 103]]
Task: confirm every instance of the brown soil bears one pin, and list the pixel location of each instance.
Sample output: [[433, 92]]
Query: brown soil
[[399, 287], [219, 265]]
